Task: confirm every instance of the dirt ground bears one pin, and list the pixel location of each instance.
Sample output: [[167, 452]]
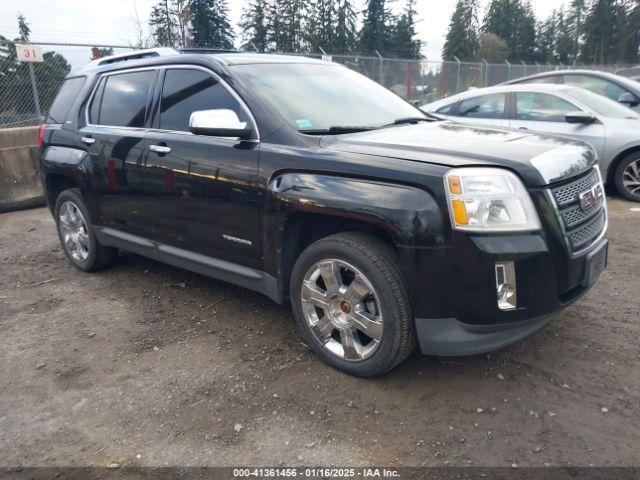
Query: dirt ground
[[157, 366]]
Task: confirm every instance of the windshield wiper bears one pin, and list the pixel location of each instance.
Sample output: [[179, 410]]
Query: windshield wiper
[[338, 129], [403, 120]]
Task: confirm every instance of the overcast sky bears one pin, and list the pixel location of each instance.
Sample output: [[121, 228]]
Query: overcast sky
[[112, 21]]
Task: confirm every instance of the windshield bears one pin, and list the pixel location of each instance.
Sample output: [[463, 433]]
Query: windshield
[[601, 105], [316, 97]]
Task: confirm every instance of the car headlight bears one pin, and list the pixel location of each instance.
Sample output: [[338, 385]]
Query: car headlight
[[485, 199]]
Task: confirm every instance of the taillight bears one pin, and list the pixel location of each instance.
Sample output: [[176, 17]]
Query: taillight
[[40, 135]]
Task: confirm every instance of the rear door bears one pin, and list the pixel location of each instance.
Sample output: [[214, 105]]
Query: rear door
[[202, 189], [545, 113], [114, 134], [487, 110]]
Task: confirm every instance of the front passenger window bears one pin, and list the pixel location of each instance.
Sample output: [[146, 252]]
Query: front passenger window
[[483, 106], [185, 91], [542, 107]]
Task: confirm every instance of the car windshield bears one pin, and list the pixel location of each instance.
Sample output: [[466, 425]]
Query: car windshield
[[601, 105], [319, 98]]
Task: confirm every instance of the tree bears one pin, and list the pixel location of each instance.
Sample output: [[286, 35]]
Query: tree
[[374, 34], [602, 32], [162, 24], [402, 34], [564, 41], [254, 26], [462, 37], [632, 33], [492, 48], [575, 21], [546, 39], [321, 20], [23, 28], [210, 25], [345, 32], [514, 22]]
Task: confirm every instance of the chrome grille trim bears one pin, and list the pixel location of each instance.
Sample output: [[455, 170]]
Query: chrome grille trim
[[581, 229]]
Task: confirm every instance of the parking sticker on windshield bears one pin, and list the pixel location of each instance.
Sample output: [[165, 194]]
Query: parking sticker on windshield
[[304, 123]]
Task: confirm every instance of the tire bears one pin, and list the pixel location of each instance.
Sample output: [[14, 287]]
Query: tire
[[360, 321], [627, 177], [76, 235]]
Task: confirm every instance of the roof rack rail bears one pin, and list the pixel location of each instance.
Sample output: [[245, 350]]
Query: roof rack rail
[[135, 55]]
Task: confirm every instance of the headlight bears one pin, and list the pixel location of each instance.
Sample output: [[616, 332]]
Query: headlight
[[486, 199]]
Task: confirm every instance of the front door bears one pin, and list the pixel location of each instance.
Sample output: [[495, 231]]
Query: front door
[[489, 110], [202, 194], [545, 113]]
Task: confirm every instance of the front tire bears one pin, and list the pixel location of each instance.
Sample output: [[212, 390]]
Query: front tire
[[627, 177], [351, 302], [76, 235]]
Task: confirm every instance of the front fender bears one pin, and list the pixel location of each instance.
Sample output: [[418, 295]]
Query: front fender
[[409, 215]]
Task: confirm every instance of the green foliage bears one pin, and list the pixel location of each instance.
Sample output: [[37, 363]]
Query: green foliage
[[254, 26], [603, 32], [462, 38], [514, 22], [210, 26], [374, 35]]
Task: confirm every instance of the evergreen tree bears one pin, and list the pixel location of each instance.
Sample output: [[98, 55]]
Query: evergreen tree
[[255, 27], [546, 39], [345, 33], [514, 22], [632, 33], [564, 41], [23, 28], [462, 37], [402, 38], [210, 25], [602, 32], [162, 24], [375, 33], [575, 24], [321, 22]]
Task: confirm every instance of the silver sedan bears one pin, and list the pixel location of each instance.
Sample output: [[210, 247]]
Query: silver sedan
[[612, 129]]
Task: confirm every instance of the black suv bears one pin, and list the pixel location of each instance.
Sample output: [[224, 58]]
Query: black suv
[[313, 185]]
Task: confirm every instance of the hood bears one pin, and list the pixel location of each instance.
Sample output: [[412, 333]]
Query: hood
[[539, 160]]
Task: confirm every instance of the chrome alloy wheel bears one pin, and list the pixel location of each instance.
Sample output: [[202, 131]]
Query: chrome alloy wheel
[[631, 177], [342, 309], [73, 228]]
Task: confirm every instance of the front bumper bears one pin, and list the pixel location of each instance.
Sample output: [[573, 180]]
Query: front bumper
[[467, 321]]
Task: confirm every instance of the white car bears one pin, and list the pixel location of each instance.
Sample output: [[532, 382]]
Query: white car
[[612, 129]]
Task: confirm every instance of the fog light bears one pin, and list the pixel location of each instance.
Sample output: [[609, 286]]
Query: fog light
[[506, 285]]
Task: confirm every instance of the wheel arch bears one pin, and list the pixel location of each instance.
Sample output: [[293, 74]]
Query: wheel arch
[[613, 166], [55, 184]]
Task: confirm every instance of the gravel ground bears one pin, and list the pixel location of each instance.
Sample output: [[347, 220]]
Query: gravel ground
[[157, 366]]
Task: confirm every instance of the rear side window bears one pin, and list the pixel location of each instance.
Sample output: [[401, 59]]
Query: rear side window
[[483, 106], [596, 85], [64, 100], [185, 91], [447, 109], [124, 99]]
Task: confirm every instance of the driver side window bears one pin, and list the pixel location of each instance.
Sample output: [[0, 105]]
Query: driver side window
[[542, 107]]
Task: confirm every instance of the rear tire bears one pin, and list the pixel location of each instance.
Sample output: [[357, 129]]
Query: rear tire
[[627, 177], [76, 234], [359, 320]]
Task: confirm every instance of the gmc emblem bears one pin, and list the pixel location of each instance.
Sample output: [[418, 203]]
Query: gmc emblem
[[591, 197]]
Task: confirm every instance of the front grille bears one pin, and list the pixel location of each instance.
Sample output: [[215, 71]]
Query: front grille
[[581, 227]]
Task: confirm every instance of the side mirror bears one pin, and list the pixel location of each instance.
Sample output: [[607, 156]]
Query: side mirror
[[219, 123], [628, 99], [579, 117]]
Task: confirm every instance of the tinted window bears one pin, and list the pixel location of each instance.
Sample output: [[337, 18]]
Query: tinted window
[[484, 106], [124, 100], [64, 100], [596, 85], [94, 108], [185, 91], [542, 107]]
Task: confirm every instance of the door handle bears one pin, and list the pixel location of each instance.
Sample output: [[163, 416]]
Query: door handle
[[88, 140], [160, 149]]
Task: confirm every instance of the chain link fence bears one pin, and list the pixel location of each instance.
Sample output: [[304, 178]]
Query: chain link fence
[[25, 99]]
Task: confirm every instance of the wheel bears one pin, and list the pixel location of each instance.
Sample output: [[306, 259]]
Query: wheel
[[351, 302], [627, 177], [76, 235]]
